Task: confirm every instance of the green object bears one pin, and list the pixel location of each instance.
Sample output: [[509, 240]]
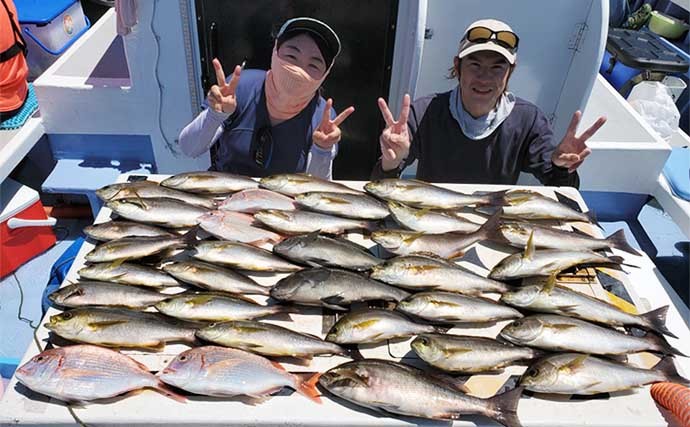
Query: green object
[[667, 26], [639, 17]]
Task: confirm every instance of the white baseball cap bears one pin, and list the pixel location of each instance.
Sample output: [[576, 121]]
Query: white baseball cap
[[499, 38]]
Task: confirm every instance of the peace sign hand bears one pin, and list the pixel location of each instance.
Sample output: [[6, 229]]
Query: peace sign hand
[[573, 150], [395, 138], [328, 133], [221, 97]]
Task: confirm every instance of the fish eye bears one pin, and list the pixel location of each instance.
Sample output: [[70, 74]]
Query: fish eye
[[67, 315], [183, 358], [211, 325], [39, 359], [517, 323], [533, 372]]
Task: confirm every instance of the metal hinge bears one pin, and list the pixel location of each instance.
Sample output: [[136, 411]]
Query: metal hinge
[[578, 36]]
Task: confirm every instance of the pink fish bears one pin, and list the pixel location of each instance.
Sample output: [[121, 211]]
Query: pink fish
[[82, 373], [236, 226], [254, 200]]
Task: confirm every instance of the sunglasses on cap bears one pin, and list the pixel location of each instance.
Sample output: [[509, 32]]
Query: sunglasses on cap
[[507, 39]]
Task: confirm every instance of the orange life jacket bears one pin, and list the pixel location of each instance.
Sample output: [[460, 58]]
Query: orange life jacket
[[13, 68]]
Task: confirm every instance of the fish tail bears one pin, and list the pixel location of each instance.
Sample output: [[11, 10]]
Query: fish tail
[[656, 319], [189, 238], [308, 388], [617, 240], [167, 392], [498, 198], [592, 216], [490, 229], [668, 369], [504, 407], [662, 345]]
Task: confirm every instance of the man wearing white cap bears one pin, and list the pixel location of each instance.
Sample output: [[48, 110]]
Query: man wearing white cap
[[479, 132]]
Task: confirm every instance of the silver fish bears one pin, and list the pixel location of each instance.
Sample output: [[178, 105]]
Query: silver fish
[[426, 273], [358, 206], [300, 222], [425, 195], [81, 373], [468, 354], [256, 199], [127, 274], [447, 245], [546, 262], [374, 325], [298, 183], [166, 212], [137, 247], [517, 234], [559, 333], [400, 389], [148, 190], [574, 373], [209, 182], [112, 230], [267, 339], [314, 249], [451, 307], [550, 298], [237, 226], [428, 221], [525, 204], [332, 288], [119, 328], [215, 308], [214, 278], [105, 294], [242, 256], [227, 372]]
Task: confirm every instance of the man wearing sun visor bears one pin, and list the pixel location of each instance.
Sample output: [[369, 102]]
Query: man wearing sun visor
[[480, 132]]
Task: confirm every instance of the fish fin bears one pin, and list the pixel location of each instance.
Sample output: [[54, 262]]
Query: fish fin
[[581, 232], [335, 200], [550, 284], [664, 345], [199, 300], [668, 368], [617, 240], [529, 249], [105, 324], [657, 320], [413, 236], [365, 324], [189, 238], [333, 299], [456, 383], [167, 392], [504, 407], [569, 309], [118, 262], [560, 327], [333, 306], [454, 351], [574, 364], [352, 352], [457, 254], [308, 388]]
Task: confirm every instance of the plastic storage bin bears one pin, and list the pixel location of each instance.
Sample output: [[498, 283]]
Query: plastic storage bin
[[633, 56], [49, 27], [25, 230]]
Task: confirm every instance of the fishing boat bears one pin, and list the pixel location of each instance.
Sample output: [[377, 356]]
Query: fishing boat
[[114, 104]]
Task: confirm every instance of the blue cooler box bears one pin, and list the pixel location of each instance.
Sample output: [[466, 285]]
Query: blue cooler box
[[49, 27], [630, 53]]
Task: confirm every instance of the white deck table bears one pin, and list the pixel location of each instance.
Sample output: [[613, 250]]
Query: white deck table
[[646, 286]]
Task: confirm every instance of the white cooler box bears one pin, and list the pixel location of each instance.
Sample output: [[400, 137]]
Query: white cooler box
[[49, 27]]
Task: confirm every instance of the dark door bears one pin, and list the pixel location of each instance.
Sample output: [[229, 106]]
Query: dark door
[[234, 31]]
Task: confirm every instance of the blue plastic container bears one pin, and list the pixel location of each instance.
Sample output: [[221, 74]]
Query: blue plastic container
[[7, 366], [630, 53]]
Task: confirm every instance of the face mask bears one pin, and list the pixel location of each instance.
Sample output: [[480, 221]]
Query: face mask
[[288, 88], [484, 126]]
